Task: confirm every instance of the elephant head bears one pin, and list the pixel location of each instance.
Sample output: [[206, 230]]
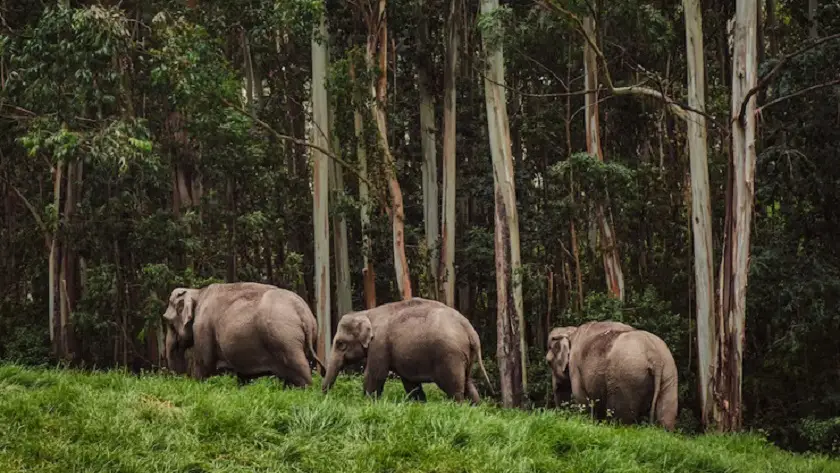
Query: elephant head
[[179, 317], [559, 348], [350, 345]]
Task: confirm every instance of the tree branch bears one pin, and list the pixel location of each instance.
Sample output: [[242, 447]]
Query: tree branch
[[765, 79], [301, 142], [800, 92], [678, 109], [32, 210]]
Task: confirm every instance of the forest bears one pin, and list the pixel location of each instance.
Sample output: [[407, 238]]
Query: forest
[[531, 163]]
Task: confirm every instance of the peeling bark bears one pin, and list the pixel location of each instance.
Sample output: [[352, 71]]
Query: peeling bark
[[731, 313], [428, 144], [700, 205], [447, 268], [320, 178], [377, 46], [510, 322], [609, 245]]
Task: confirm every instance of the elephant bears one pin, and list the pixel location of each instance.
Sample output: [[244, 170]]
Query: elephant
[[418, 339], [617, 367], [250, 329]]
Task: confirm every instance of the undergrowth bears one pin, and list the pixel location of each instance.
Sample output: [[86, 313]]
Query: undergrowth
[[67, 421]]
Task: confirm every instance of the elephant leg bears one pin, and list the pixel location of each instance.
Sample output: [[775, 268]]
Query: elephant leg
[[451, 379], [414, 390], [205, 362], [298, 374], [376, 370], [622, 409], [472, 392]]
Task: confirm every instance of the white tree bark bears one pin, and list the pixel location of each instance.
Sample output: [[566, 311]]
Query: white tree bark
[[429, 147], [700, 204], [447, 270], [320, 137], [609, 245], [736, 249], [510, 349]]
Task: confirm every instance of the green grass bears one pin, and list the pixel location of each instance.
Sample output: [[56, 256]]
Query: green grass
[[66, 421]]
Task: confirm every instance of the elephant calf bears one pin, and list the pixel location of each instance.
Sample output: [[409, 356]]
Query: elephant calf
[[620, 368], [420, 340], [250, 329]]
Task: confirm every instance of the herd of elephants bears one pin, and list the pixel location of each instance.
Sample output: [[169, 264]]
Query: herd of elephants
[[254, 329]]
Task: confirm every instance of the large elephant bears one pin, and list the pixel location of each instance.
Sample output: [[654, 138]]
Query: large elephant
[[251, 329], [420, 340], [617, 367]]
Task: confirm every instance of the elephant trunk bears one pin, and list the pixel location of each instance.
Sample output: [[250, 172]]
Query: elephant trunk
[[333, 367], [175, 358]]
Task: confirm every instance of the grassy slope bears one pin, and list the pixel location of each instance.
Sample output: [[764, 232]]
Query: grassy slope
[[53, 421]]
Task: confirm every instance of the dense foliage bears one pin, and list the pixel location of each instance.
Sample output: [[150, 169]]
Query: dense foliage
[[171, 177]]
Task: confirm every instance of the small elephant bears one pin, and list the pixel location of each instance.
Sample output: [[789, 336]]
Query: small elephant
[[628, 371], [250, 329], [420, 340]]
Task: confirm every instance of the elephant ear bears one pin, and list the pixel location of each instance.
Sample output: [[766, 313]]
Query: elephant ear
[[183, 313], [365, 331], [558, 353]]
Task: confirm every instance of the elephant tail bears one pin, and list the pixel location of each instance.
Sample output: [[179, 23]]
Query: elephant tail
[[311, 339], [475, 346], [657, 383]]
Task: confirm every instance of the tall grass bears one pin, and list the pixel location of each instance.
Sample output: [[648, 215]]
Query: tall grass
[[65, 421]]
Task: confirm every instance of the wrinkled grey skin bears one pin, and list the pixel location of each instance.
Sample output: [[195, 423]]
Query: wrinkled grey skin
[[420, 340], [250, 329], [630, 372]]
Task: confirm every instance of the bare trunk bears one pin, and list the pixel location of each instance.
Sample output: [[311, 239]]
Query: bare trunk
[[67, 272], [740, 193], [700, 205], [609, 245], [813, 29], [447, 275], [344, 301], [510, 324], [572, 230], [53, 262], [378, 36], [231, 224], [320, 178], [429, 167], [368, 274]]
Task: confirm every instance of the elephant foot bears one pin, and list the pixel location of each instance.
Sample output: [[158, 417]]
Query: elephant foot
[[415, 391]]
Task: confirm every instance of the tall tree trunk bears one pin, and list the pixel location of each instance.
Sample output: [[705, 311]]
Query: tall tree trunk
[[320, 178], [447, 268], [739, 205], [609, 245], [230, 191], [510, 349], [700, 204], [813, 28], [344, 300], [378, 36], [572, 229], [55, 339], [368, 273], [428, 144]]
